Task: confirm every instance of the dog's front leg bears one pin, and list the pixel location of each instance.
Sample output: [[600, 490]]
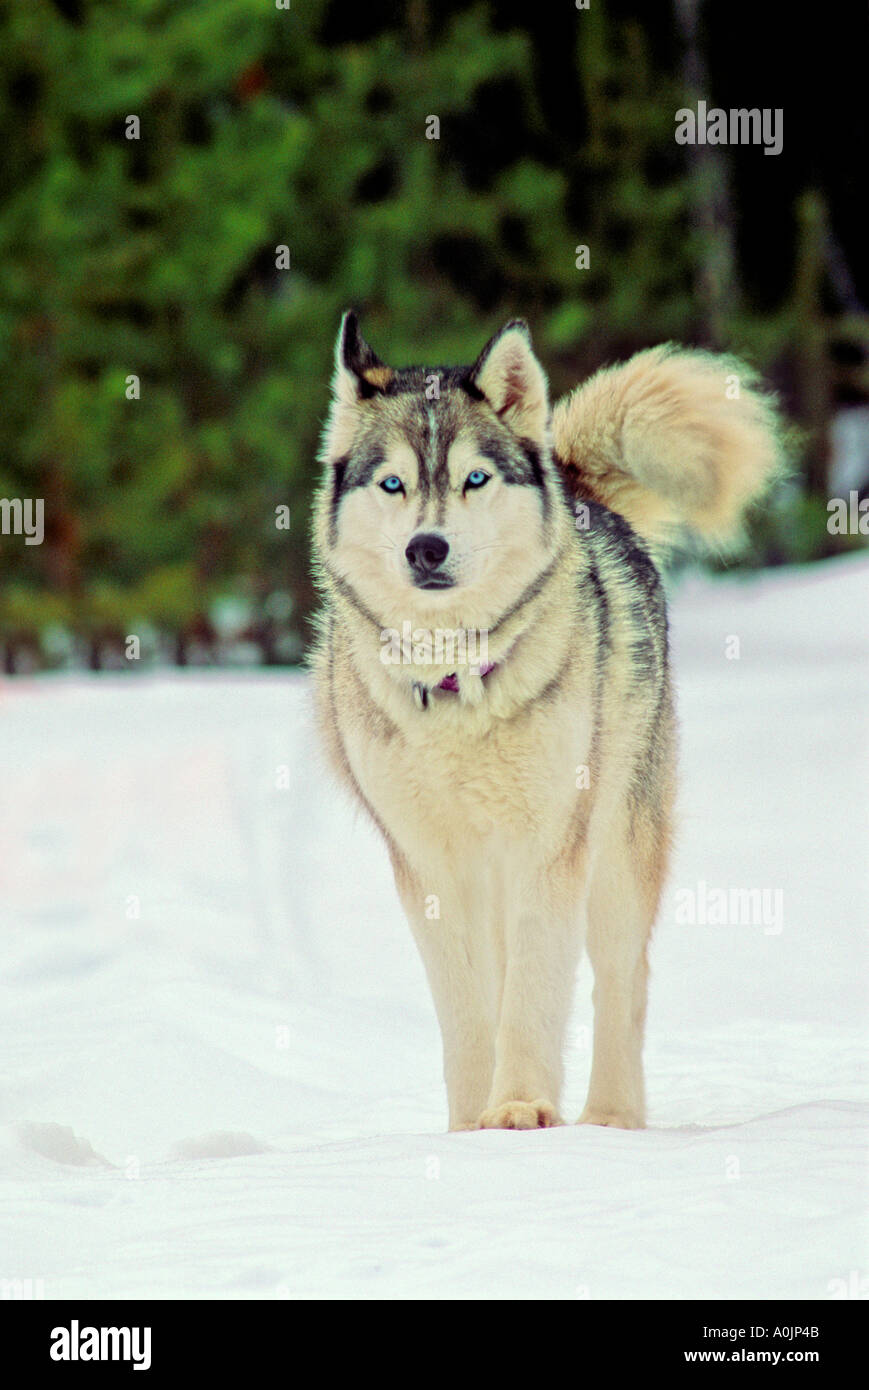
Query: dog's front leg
[[461, 978], [459, 991], [543, 947]]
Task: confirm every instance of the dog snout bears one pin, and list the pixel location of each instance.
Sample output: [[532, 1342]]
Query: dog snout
[[426, 552]]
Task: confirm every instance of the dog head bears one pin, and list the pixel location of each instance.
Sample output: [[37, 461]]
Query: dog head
[[438, 500]]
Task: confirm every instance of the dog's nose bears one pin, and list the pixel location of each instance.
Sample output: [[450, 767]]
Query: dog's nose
[[426, 552]]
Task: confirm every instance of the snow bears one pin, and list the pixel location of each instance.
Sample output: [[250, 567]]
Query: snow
[[220, 1064]]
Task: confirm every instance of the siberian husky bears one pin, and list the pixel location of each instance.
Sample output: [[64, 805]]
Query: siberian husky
[[493, 683]]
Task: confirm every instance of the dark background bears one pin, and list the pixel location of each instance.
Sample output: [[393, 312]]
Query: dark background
[[307, 128]]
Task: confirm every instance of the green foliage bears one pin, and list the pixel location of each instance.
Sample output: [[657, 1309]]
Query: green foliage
[[156, 258]]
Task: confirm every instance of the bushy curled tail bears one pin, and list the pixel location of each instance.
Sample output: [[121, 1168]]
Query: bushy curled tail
[[672, 439]]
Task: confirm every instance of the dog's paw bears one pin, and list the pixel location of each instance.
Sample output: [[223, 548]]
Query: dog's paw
[[615, 1119], [521, 1114]]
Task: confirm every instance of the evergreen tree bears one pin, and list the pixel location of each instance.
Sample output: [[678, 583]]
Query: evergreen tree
[[193, 193]]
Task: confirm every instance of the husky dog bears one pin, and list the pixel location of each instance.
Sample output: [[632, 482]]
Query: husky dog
[[525, 797]]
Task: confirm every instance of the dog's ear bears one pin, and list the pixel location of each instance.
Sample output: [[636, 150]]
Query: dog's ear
[[513, 381], [359, 374], [357, 366]]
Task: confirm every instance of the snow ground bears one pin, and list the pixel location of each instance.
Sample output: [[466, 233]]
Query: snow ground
[[219, 1065]]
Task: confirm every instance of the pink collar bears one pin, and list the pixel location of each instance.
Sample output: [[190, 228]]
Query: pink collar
[[451, 682]]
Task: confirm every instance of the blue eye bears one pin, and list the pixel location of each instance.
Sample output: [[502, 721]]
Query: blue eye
[[477, 478], [392, 484]]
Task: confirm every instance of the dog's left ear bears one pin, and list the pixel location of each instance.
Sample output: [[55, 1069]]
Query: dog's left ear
[[513, 381], [359, 374]]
